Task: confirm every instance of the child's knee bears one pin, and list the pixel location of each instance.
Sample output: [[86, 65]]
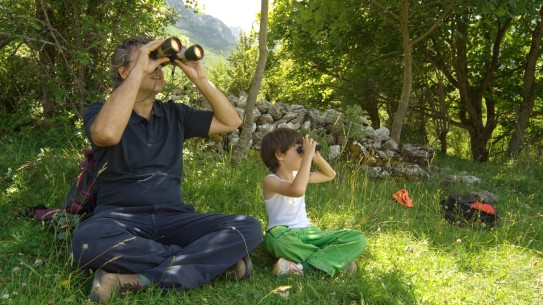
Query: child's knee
[[358, 239]]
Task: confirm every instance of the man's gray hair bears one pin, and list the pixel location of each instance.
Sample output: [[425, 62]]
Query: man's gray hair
[[121, 57]]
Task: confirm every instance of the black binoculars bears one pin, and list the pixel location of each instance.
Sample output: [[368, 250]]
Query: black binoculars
[[300, 149], [173, 49]]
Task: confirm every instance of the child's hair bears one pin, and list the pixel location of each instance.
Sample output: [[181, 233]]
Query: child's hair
[[280, 139]]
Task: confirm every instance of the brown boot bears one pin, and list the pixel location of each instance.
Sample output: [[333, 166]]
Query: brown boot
[[106, 284], [241, 270]]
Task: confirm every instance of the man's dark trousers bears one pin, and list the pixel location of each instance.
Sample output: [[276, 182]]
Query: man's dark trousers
[[172, 247]]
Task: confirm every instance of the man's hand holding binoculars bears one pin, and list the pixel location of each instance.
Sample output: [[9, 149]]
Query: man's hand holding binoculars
[[188, 59], [144, 64]]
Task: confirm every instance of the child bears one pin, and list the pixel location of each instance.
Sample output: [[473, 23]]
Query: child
[[298, 245]]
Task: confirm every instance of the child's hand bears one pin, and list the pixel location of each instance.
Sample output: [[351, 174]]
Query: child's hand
[[310, 146]]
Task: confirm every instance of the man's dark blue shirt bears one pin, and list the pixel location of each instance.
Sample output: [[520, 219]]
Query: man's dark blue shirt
[[146, 166]]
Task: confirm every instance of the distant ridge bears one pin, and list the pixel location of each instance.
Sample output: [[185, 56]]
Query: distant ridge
[[206, 30]]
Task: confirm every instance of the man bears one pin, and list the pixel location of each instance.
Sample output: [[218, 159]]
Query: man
[[141, 232]]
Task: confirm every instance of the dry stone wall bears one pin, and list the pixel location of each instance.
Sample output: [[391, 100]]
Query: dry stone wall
[[344, 138]]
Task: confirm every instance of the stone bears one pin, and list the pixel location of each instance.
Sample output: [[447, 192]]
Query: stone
[[265, 119], [334, 151], [418, 154]]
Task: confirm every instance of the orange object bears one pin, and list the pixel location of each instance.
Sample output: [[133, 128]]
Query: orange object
[[484, 207], [402, 196]]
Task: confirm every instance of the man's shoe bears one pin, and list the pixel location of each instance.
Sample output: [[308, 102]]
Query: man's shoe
[[248, 268], [105, 284], [241, 270], [284, 267]]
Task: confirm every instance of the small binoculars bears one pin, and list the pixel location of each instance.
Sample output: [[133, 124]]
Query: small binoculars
[[300, 149], [173, 49]]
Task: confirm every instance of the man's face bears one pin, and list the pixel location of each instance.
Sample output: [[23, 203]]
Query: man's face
[[152, 82]]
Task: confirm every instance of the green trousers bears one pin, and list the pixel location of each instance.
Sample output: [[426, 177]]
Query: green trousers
[[329, 251]]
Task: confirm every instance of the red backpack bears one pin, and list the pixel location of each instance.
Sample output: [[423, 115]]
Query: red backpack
[[468, 209]]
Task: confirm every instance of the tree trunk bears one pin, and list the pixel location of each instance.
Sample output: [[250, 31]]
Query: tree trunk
[[529, 84], [471, 97], [403, 106], [373, 112], [440, 113], [246, 132], [47, 56]]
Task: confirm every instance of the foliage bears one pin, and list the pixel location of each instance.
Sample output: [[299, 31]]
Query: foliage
[[65, 48], [413, 257], [324, 54], [242, 64], [331, 53]]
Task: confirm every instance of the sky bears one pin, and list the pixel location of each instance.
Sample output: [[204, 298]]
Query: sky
[[234, 13]]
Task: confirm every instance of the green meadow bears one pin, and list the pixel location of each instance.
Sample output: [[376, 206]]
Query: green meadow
[[413, 256]]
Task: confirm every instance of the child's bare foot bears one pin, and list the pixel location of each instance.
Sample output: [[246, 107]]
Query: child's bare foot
[[105, 284], [350, 269]]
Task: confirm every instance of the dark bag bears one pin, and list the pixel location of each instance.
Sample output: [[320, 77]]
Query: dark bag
[[81, 196], [464, 209], [80, 200]]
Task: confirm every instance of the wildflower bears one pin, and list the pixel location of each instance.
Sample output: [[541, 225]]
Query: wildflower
[[282, 291], [16, 270]]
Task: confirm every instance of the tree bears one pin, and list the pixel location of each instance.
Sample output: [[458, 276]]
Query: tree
[[476, 53], [248, 118], [329, 54], [407, 46], [525, 109], [343, 53], [69, 45], [242, 64]]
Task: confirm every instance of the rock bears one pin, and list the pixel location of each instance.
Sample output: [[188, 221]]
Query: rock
[[407, 170], [390, 145], [265, 128], [418, 154], [486, 196], [265, 119], [472, 180], [289, 116], [334, 151], [276, 112], [315, 117], [263, 106], [382, 135]]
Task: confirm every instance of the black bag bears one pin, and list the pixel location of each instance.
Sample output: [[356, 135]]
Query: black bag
[[464, 209]]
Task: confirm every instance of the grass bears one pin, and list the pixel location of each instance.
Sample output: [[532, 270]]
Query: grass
[[413, 256]]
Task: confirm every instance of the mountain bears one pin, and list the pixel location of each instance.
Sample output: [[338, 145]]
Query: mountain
[[205, 30]]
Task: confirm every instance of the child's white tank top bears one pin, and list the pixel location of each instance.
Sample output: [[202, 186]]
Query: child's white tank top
[[286, 211]]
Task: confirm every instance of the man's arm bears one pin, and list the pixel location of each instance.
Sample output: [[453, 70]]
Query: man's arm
[[225, 117]]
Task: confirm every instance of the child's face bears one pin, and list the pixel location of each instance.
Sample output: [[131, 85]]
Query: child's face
[[292, 160]]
